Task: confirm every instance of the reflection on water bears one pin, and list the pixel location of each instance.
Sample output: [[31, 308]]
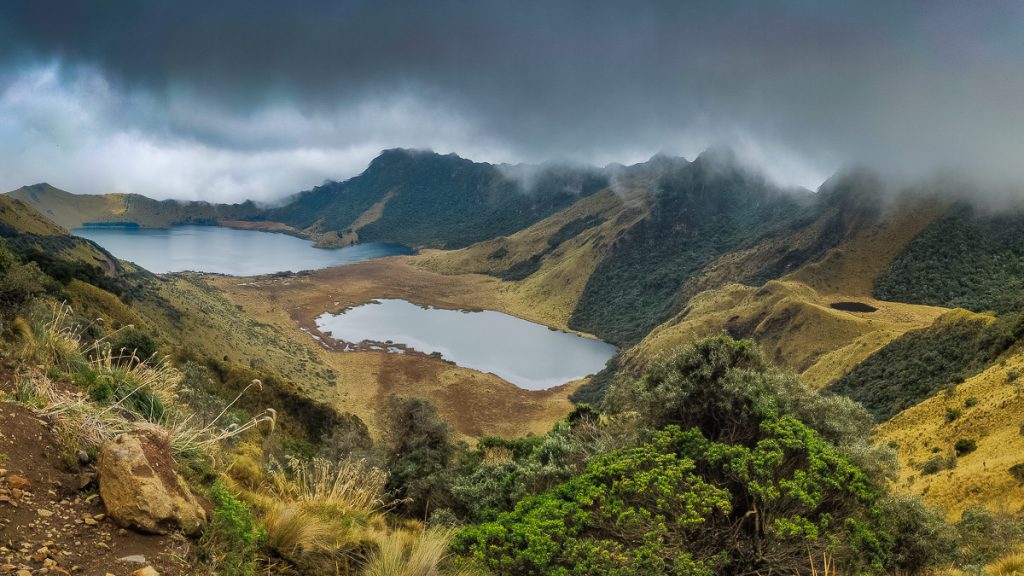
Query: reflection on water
[[226, 250], [528, 355]]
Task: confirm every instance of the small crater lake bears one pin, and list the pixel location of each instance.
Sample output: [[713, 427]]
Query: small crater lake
[[526, 354], [226, 250]]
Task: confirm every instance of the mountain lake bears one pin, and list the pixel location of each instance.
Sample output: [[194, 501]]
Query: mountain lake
[[529, 355], [226, 250]]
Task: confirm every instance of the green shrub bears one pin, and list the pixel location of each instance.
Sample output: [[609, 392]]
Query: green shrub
[[925, 361], [937, 464], [19, 283], [233, 537], [952, 414], [970, 402], [984, 272], [984, 536], [418, 448], [1017, 471], [921, 536], [965, 446], [733, 482], [130, 340]]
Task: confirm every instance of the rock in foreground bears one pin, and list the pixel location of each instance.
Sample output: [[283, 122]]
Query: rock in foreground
[[140, 488]]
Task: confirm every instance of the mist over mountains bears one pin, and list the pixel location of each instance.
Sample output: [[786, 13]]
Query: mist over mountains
[[255, 100]]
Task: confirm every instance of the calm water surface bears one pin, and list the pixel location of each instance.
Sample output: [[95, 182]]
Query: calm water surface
[[528, 355], [226, 250]]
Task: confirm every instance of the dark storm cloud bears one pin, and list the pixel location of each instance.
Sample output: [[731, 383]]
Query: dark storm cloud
[[261, 98]]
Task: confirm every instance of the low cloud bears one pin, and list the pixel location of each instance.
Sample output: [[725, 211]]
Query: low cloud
[[74, 129], [232, 99]]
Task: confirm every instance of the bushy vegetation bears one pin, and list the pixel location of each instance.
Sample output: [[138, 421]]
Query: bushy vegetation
[[19, 283], [923, 362], [418, 449], [966, 259], [710, 462], [726, 466], [477, 200], [699, 212], [234, 537]]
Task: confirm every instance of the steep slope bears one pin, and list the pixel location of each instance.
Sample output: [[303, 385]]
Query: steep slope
[[699, 211], [548, 264], [425, 199], [926, 361], [75, 210], [968, 258], [798, 328], [988, 407], [61, 255]]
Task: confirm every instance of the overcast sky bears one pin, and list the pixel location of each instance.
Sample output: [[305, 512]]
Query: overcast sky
[[227, 100]]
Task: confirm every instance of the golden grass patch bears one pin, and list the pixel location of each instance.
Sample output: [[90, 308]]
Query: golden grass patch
[[796, 326], [993, 420]]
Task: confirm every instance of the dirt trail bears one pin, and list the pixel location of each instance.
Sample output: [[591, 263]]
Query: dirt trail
[[52, 521]]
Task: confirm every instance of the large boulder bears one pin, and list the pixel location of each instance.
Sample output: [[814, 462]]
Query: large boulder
[[140, 488]]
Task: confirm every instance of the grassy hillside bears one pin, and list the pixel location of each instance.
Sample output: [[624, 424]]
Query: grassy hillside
[[75, 210], [61, 256], [427, 199], [698, 212], [991, 414], [558, 266], [967, 259], [926, 361], [797, 327]]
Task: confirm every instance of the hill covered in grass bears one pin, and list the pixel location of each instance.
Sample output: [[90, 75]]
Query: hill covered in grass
[[76, 210], [421, 198]]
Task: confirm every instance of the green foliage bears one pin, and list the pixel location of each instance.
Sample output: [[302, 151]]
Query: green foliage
[[728, 479], [970, 402], [966, 259], [418, 449], [484, 488], [681, 504], [984, 536], [442, 201], [593, 391], [120, 385], [727, 388], [952, 414], [923, 362], [965, 446], [132, 344], [637, 511], [19, 283], [233, 537], [1017, 471], [700, 211], [937, 464], [569, 230], [921, 536], [350, 438]]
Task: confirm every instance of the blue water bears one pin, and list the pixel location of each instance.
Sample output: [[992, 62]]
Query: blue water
[[226, 250], [528, 355]]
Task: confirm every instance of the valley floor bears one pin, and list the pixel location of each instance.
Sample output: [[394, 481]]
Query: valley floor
[[476, 403]]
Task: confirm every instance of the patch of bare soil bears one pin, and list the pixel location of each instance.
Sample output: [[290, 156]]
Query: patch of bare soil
[[52, 520]]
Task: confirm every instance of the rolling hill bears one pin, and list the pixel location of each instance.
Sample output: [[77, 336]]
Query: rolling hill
[[76, 210]]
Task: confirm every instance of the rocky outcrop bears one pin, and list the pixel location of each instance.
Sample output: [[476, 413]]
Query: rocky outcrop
[[140, 488]]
